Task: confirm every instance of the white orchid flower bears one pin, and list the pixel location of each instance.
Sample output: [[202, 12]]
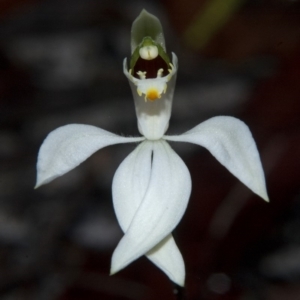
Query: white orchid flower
[[152, 186]]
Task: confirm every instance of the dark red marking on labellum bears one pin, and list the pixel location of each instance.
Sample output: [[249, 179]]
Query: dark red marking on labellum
[[151, 67]]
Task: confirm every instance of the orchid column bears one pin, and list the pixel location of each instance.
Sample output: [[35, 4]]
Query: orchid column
[[152, 76], [152, 186]]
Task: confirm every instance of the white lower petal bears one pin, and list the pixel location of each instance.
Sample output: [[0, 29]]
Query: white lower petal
[[168, 258], [130, 183], [160, 209], [68, 146], [230, 141], [129, 187]]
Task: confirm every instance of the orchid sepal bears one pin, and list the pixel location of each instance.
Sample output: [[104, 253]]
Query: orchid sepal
[[130, 186], [68, 146], [230, 141], [161, 207]]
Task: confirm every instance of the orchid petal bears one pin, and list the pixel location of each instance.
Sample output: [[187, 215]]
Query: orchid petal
[[161, 209], [68, 146], [129, 187], [230, 141]]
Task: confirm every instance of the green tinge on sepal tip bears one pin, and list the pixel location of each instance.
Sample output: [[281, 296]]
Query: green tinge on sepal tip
[[144, 25], [265, 197], [112, 272]]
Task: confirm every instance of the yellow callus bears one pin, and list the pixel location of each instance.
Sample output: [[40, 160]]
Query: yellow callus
[[152, 94]]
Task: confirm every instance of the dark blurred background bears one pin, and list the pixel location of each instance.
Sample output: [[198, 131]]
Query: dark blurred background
[[61, 63]]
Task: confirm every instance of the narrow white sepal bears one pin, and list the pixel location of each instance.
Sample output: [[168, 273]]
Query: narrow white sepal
[[168, 258], [129, 187], [161, 208], [230, 141], [68, 146]]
